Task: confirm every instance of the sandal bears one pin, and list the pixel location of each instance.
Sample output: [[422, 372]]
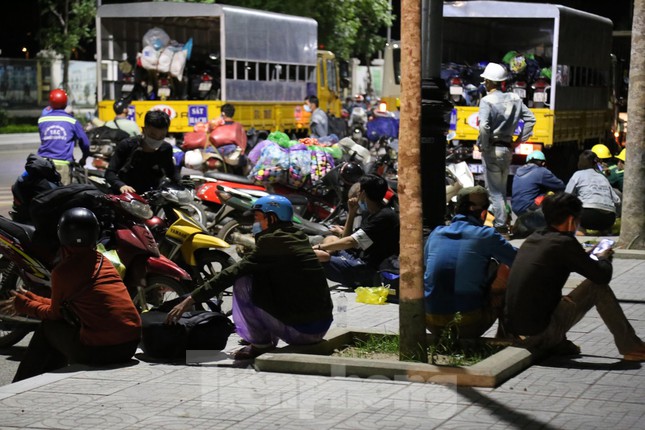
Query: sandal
[[249, 352]]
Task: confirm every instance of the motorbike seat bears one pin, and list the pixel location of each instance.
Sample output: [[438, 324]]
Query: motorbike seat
[[229, 177], [23, 232]]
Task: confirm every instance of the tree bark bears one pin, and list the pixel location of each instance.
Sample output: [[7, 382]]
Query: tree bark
[[632, 232], [411, 310]]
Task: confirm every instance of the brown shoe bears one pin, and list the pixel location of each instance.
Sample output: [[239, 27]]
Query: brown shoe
[[638, 354]]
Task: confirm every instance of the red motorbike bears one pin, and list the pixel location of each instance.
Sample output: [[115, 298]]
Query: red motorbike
[[150, 277]]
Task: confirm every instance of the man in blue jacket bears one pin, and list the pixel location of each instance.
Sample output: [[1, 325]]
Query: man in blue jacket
[[532, 181], [59, 132], [460, 272]]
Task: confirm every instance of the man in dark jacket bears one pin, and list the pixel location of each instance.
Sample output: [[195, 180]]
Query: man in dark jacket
[[537, 312], [532, 181], [140, 163], [280, 289]]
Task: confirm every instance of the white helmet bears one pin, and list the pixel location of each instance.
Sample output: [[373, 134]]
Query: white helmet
[[494, 72]]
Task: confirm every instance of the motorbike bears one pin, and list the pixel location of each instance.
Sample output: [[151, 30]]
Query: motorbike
[[519, 87], [184, 240], [357, 123], [237, 206], [150, 277], [541, 92], [458, 175], [171, 197]]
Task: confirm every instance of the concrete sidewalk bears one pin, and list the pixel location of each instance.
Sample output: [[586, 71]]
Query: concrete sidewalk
[[19, 140], [596, 390]]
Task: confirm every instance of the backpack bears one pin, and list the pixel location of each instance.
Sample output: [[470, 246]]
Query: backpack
[[337, 126], [105, 134], [195, 330]]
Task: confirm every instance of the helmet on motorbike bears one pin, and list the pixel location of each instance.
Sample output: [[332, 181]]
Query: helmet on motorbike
[[621, 155], [78, 227], [536, 155], [280, 206], [518, 64], [193, 159], [120, 106], [58, 99], [494, 72], [351, 172], [601, 151]]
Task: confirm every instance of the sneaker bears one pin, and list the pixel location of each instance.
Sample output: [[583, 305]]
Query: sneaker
[[564, 348], [637, 354]]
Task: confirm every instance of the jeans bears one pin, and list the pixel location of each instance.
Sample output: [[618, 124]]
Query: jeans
[[258, 327], [573, 307], [349, 270], [497, 160]]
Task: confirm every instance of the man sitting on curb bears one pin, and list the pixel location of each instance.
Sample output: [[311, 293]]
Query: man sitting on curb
[[537, 312], [376, 239], [458, 259]]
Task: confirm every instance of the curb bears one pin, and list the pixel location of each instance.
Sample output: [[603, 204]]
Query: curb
[[306, 360]]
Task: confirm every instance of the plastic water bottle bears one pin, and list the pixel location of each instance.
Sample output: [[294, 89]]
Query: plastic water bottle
[[341, 310]]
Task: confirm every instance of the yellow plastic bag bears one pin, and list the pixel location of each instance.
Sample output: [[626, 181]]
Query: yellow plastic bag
[[372, 295], [113, 257]]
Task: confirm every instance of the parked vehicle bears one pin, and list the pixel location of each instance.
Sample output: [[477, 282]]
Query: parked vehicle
[[184, 240], [573, 113], [266, 77], [150, 277]]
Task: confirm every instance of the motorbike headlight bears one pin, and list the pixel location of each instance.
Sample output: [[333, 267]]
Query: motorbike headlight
[[138, 209], [184, 196], [169, 196]]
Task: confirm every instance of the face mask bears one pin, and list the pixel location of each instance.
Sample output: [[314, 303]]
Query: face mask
[[307, 108], [152, 143], [362, 206], [256, 229]]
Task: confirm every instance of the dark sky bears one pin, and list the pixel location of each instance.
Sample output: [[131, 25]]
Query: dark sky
[[19, 23]]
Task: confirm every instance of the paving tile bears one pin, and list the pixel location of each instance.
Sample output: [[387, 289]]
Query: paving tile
[[497, 415], [31, 401], [390, 418], [164, 422], [85, 386], [571, 421]]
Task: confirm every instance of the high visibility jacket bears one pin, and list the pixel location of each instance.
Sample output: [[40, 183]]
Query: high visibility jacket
[[59, 131]]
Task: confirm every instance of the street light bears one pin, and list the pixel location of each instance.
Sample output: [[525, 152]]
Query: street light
[[26, 51]]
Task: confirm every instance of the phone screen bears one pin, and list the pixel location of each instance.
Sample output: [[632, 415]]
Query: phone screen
[[603, 245]]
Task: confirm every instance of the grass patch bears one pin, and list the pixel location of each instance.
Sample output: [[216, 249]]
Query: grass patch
[[18, 128], [440, 352]]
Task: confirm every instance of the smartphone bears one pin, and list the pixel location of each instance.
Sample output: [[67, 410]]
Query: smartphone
[[603, 245]]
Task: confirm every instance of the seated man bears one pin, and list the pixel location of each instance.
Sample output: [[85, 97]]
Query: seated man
[[531, 182], [280, 289], [458, 259], [121, 121], [354, 258], [139, 163], [535, 308]]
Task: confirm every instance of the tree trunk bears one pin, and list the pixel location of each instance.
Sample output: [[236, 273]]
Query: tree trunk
[[632, 232], [411, 310], [369, 90]]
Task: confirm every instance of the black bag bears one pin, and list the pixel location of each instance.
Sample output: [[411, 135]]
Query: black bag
[[104, 134], [197, 330], [389, 274]]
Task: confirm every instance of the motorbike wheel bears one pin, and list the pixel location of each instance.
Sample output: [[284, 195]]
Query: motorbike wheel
[[10, 334], [209, 264], [159, 289], [238, 234]]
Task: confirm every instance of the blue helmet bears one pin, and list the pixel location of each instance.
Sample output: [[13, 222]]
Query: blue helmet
[[278, 205], [536, 155]]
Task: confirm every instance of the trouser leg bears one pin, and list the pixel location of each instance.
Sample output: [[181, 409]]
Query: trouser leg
[[250, 321], [496, 166], [574, 306], [48, 349]]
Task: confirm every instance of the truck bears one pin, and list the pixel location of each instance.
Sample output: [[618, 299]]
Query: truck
[[263, 63], [577, 110]]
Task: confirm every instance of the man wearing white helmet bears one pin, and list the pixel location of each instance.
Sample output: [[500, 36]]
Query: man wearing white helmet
[[499, 115]]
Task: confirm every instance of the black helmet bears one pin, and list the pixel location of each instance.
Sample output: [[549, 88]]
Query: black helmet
[[78, 227], [120, 106], [351, 172]]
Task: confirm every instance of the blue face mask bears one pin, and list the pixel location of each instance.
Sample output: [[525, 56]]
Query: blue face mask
[[256, 229], [362, 207], [307, 108]]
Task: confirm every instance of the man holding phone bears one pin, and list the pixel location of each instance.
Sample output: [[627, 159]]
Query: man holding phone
[[537, 313]]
